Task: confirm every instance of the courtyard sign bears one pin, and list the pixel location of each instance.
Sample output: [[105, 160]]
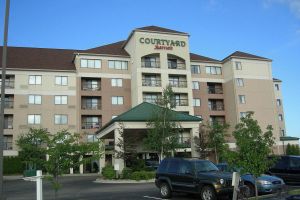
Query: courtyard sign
[[162, 44]]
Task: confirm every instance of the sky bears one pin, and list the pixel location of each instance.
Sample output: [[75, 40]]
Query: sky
[[217, 28]]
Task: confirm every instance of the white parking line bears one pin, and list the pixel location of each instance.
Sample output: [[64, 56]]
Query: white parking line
[[151, 197]]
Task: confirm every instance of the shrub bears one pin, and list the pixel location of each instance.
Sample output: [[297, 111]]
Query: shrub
[[138, 165], [126, 173], [108, 172], [142, 175], [12, 165]]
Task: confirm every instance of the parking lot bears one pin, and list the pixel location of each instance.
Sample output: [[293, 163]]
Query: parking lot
[[84, 187]]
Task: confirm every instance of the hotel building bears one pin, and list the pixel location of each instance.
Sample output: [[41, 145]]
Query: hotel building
[[82, 90]]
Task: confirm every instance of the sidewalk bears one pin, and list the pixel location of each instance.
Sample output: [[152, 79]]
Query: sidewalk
[[19, 177]]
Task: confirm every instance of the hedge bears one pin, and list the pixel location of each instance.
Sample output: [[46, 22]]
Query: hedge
[[12, 165], [142, 175], [108, 172]]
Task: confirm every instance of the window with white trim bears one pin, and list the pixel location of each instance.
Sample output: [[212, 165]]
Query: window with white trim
[[195, 69], [242, 99], [196, 102], [238, 65], [34, 99], [61, 80], [243, 114], [61, 100], [213, 70], [278, 101], [240, 82], [280, 117], [60, 119], [196, 85], [90, 63], [34, 119], [35, 80], [117, 100], [277, 86], [117, 64], [116, 82]]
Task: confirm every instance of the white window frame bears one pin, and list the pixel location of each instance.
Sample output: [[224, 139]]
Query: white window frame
[[278, 102], [243, 114], [118, 64], [34, 119], [60, 99], [213, 70], [242, 99], [35, 79], [198, 69], [277, 86], [34, 99], [117, 100], [90, 63], [238, 65], [60, 119], [61, 80], [240, 82], [117, 82], [195, 85], [280, 117], [196, 102]]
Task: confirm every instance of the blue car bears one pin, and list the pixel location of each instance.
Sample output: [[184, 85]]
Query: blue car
[[265, 183]]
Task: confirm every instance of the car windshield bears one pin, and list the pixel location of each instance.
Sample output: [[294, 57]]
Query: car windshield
[[205, 166]]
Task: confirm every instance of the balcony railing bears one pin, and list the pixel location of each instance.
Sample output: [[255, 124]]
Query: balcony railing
[[152, 83], [91, 106], [91, 87], [151, 100], [151, 64], [215, 90], [8, 124], [216, 107], [176, 83], [9, 84], [181, 102], [176, 65], [90, 125], [184, 142], [8, 146], [218, 121], [8, 104]]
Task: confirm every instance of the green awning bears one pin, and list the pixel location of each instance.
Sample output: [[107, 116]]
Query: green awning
[[288, 138]]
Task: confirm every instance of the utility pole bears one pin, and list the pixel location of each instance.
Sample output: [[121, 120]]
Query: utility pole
[[4, 54]]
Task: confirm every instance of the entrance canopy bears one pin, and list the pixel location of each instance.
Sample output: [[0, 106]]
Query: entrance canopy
[[138, 116]]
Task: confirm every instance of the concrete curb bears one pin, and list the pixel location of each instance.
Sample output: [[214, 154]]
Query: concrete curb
[[12, 178], [122, 181]]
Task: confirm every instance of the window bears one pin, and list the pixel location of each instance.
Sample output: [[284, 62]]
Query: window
[[282, 132], [35, 99], [61, 119], [35, 80], [196, 85], [117, 64], [238, 65], [278, 101], [117, 100], [277, 86], [240, 82], [243, 114], [34, 119], [151, 98], [213, 70], [196, 102], [61, 100], [116, 82], [242, 99], [61, 80], [90, 63], [195, 69], [280, 117], [174, 166]]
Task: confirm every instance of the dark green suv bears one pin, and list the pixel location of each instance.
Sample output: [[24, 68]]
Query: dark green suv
[[191, 175]]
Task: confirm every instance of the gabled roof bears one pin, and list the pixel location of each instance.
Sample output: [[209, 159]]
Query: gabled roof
[[39, 58], [109, 49], [239, 54], [159, 29], [196, 57], [144, 113], [276, 80]]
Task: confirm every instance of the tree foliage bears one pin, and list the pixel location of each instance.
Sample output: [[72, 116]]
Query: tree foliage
[[202, 141], [163, 133], [292, 150]]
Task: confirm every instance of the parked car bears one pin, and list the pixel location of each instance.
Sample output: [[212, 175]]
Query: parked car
[[265, 183], [287, 168], [190, 175]]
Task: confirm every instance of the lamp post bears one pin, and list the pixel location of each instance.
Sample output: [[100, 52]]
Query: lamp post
[[4, 54]]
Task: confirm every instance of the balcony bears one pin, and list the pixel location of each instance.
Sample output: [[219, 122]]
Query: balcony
[[178, 83], [90, 125], [151, 82], [90, 86], [8, 146], [184, 142], [217, 120], [91, 106], [151, 100], [8, 104], [215, 90], [181, 102], [150, 64], [216, 106], [9, 84], [176, 65]]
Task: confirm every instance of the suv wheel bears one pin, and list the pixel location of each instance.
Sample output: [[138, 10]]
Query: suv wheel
[[165, 191], [208, 193]]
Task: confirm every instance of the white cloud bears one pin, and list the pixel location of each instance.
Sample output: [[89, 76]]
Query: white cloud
[[294, 5]]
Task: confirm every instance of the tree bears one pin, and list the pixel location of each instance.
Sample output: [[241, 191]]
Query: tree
[[292, 150], [253, 147], [201, 141], [216, 135], [163, 132], [63, 150]]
